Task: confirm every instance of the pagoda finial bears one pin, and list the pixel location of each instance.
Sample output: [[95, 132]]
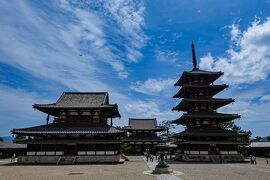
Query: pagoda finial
[[194, 60]]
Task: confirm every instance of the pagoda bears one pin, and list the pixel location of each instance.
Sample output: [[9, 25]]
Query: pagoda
[[81, 131], [142, 135], [204, 139]]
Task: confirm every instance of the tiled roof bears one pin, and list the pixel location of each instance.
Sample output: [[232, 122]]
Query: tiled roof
[[211, 75], [197, 132], [215, 102], [70, 141], [79, 100], [219, 117], [259, 144], [55, 128], [143, 124], [11, 145], [213, 89]]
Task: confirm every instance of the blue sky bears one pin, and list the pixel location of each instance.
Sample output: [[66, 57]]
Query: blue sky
[[135, 50]]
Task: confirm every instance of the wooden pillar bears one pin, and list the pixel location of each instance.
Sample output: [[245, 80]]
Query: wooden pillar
[[111, 122]]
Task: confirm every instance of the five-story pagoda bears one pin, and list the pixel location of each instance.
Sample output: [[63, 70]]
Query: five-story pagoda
[[204, 139]]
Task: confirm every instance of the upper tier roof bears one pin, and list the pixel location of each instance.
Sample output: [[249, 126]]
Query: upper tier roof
[[186, 90], [188, 103], [142, 124], [209, 133], [67, 128], [79, 101], [208, 75], [219, 117]]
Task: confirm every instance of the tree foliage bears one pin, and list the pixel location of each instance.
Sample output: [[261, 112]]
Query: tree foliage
[[1, 139], [167, 129], [233, 127], [19, 138]]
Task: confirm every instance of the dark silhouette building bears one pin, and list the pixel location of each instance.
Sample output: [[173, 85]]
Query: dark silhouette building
[[80, 132], [204, 139]]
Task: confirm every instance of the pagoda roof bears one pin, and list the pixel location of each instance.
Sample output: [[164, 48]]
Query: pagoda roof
[[212, 76], [142, 139], [79, 101], [209, 132], [220, 117], [66, 128], [143, 124], [213, 89], [187, 103]]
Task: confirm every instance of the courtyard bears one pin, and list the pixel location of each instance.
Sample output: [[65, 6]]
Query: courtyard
[[133, 169]]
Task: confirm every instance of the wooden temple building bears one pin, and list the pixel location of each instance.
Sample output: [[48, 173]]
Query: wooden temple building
[[81, 131], [204, 139], [142, 135]]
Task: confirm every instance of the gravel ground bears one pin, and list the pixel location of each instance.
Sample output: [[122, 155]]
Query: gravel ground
[[130, 170], [133, 170], [232, 171]]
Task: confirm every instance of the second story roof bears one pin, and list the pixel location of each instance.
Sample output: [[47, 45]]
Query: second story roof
[[79, 101], [143, 124]]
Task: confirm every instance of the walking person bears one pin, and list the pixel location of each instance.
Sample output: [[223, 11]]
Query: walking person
[[267, 161], [13, 157], [251, 159]]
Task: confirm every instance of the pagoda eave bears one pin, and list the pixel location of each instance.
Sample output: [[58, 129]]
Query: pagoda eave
[[186, 89], [212, 76], [187, 104], [218, 117]]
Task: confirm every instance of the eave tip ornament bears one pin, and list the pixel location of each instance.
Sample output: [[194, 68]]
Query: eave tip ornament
[[194, 60]]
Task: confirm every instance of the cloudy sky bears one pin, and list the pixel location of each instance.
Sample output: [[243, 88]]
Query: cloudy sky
[[135, 50]]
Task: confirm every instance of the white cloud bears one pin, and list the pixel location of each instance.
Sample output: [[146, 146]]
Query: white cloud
[[153, 86], [249, 60], [265, 98], [16, 109], [149, 109], [48, 45], [167, 56]]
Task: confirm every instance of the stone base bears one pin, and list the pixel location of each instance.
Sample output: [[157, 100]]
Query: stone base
[[162, 171], [61, 160], [211, 158]]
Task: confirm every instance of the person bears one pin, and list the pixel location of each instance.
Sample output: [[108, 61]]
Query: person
[[147, 155], [267, 161], [251, 159], [151, 157], [13, 157], [255, 160]]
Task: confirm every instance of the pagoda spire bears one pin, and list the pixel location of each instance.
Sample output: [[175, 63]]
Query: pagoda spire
[[194, 60]]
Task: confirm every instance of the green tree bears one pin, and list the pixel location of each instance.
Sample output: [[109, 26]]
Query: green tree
[[19, 138], [233, 127], [268, 138], [167, 129], [1, 139], [257, 138]]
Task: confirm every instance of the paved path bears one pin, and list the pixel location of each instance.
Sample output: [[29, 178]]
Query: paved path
[[152, 165]]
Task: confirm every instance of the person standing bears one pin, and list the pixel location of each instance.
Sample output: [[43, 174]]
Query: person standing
[[13, 157]]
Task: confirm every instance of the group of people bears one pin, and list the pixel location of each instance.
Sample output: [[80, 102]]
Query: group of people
[[149, 156]]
